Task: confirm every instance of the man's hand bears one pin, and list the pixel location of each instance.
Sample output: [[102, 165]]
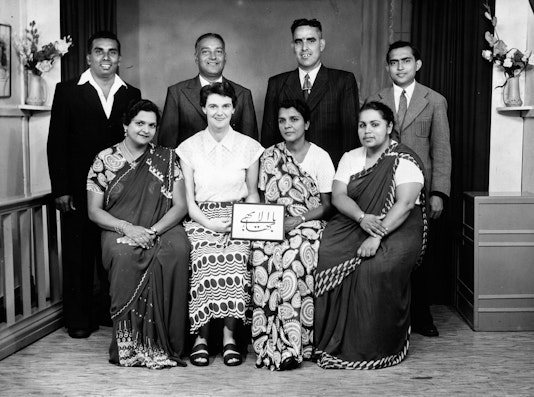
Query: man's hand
[[436, 207], [65, 203]]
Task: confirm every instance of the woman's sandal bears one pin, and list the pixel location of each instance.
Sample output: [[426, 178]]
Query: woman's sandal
[[231, 355], [199, 355]]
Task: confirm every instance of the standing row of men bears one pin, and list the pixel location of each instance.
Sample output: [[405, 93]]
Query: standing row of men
[[86, 119]]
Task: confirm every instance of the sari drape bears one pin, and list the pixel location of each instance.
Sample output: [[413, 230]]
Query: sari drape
[[148, 288], [362, 318], [282, 325]]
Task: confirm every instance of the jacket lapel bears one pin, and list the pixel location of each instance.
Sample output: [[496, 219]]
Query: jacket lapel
[[90, 96], [320, 85], [416, 106], [192, 93], [292, 88], [119, 102]]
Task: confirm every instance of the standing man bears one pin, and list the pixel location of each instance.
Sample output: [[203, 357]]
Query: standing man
[[331, 94], [421, 124], [183, 115], [86, 118]]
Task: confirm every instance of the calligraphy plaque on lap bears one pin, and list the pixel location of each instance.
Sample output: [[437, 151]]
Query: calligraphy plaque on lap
[[252, 221]]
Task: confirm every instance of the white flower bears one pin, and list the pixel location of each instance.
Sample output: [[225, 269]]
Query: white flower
[[486, 54], [511, 53], [62, 46], [497, 62], [507, 63], [44, 66]]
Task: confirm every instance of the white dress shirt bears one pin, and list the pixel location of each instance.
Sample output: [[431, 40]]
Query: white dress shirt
[[397, 91], [107, 103]]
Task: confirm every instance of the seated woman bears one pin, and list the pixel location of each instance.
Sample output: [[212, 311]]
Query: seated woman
[[220, 168], [369, 249], [297, 174], [136, 194]]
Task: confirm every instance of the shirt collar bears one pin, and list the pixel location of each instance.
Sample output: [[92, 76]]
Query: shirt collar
[[227, 142], [312, 73], [87, 77], [397, 91], [204, 82]]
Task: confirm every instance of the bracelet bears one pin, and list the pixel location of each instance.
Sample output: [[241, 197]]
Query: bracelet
[[155, 231], [119, 227], [303, 219], [360, 218]]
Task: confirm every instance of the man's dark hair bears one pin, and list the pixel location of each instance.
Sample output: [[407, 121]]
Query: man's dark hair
[[212, 35], [299, 105], [223, 89], [314, 23], [140, 106], [402, 44], [103, 34]]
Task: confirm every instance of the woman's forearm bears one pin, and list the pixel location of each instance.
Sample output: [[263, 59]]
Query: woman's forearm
[[175, 214], [104, 219], [397, 215], [347, 206]]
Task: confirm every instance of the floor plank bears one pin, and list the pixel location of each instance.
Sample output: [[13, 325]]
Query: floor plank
[[460, 362]]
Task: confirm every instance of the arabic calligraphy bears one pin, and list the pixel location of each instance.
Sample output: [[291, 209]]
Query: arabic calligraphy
[[258, 221]]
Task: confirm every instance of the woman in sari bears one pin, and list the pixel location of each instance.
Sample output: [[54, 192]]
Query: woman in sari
[[136, 195], [297, 174], [369, 249], [220, 168]]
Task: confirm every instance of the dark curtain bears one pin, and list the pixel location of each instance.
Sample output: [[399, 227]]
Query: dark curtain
[[80, 19], [450, 35]]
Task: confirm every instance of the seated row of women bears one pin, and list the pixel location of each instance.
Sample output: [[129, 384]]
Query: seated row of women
[[337, 292]]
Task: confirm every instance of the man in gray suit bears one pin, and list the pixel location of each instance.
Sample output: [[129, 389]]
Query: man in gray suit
[[183, 115], [421, 124]]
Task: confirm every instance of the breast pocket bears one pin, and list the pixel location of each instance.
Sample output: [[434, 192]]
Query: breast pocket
[[422, 128]]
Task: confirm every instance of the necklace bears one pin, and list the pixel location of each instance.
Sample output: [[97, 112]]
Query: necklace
[[128, 153]]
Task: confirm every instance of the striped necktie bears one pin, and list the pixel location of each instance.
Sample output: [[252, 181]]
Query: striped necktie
[[306, 87], [403, 106]]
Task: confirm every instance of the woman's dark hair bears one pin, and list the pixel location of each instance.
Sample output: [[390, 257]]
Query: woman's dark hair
[[384, 110], [139, 106], [223, 89], [299, 105]]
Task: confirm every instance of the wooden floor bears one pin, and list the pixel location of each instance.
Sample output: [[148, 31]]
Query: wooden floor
[[460, 362]]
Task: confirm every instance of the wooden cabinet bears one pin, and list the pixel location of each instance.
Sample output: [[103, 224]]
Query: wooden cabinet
[[495, 266]]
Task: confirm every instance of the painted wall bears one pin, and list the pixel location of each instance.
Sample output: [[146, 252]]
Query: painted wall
[[158, 39], [510, 171]]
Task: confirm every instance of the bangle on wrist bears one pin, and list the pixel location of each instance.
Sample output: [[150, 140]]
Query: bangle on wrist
[[360, 218], [119, 227], [302, 218], [155, 231]]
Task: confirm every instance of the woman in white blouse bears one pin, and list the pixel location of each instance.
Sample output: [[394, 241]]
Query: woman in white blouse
[[220, 167], [369, 249]]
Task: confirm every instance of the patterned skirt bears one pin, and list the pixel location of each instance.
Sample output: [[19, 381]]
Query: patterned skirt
[[282, 323], [219, 280]]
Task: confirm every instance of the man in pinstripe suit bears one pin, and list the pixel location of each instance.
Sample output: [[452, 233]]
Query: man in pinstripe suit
[[331, 94]]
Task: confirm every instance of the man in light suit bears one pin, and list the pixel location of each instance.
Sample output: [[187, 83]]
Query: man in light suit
[[183, 115], [85, 119], [421, 124], [331, 94]]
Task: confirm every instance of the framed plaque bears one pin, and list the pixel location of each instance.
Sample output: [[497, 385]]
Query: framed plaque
[[251, 221]]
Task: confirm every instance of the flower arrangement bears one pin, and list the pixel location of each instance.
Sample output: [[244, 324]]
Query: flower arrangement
[[39, 61], [512, 60]]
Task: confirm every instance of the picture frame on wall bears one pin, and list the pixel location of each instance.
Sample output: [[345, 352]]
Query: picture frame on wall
[[5, 61]]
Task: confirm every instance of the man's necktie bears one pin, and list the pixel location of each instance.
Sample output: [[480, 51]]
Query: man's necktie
[[401, 113], [306, 87]]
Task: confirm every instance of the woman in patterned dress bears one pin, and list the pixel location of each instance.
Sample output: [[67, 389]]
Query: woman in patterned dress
[[136, 194], [220, 167], [369, 249], [297, 174]]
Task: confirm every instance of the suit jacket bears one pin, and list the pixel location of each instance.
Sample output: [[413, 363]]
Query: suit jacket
[[183, 116], [333, 102], [426, 131], [79, 129]]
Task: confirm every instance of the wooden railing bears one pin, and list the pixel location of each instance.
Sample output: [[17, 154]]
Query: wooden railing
[[30, 272]]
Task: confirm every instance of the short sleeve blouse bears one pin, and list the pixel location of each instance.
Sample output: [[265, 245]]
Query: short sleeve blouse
[[106, 165], [319, 165], [219, 168]]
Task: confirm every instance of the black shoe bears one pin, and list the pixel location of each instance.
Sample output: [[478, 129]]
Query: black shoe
[[288, 364], [81, 333], [428, 330]]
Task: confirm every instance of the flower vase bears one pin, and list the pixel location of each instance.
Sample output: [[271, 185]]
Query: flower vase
[[510, 92], [36, 90]]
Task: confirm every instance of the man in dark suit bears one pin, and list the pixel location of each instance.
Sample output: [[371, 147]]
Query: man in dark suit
[[422, 124], [85, 119], [331, 94], [183, 115]]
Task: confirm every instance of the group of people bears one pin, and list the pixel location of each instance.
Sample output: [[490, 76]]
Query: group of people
[[149, 200]]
